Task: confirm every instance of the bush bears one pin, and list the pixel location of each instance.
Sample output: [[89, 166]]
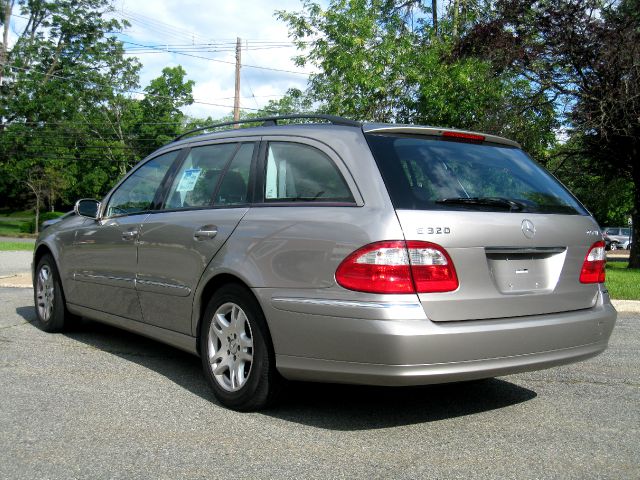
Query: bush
[[30, 227]]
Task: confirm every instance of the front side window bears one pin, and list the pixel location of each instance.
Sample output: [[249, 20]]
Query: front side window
[[137, 192], [296, 172], [430, 173], [197, 179]]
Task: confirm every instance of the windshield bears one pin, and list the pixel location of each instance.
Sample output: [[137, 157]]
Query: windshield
[[431, 173]]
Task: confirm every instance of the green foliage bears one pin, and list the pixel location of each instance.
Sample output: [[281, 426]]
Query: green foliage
[[381, 61], [160, 119], [30, 226], [608, 197], [13, 228], [71, 121], [582, 56]]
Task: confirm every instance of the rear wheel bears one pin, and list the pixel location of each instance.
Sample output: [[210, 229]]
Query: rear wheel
[[237, 355], [51, 311]]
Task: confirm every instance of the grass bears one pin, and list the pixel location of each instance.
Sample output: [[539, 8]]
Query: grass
[[13, 223], [17, 223], [4, 246], [623, 284], [17, 214], [12, 228]]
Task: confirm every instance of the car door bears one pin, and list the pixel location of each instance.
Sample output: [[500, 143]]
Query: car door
[[105, 250], [207, 199]]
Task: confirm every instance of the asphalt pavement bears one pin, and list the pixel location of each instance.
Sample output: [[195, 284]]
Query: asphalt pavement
[[102, 403]]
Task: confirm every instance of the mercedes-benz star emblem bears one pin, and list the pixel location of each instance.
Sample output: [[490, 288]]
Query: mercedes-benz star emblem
[[528, 229]]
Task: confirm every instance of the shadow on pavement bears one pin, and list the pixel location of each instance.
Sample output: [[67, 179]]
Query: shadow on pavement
[[180, 367], [328, 406], [353, 407]]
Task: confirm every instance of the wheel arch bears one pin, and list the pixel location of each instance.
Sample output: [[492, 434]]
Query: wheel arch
[[208, 290], [42, 250]]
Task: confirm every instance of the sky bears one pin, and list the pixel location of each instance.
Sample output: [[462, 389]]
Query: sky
[[169, 33]]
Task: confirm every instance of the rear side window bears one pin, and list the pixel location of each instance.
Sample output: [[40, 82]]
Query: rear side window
[[196, 182], [296, 172], [235, 183], [429, 173]]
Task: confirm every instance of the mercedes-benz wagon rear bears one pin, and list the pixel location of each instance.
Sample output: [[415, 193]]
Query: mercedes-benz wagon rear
[[337, 252]]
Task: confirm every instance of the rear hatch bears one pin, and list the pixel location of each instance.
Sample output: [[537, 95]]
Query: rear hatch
[[516, 236]]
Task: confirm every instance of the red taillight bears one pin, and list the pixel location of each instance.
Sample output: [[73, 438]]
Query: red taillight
[[593, 270], [432, 268], [464, 136], [398, 267]]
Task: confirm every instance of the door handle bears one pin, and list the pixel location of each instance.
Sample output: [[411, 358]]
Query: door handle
[[129, 234], [205, 232]]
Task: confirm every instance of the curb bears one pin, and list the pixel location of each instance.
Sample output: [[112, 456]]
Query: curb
[[626, 306], [17, 280]]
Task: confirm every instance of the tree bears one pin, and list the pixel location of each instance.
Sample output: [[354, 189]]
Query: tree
[[67, 101], [161, 119], [583, 56], [380, 60], [59, 78]]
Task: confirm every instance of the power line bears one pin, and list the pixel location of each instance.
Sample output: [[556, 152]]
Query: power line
[[228, 62], [49, 134], [157, 25], [122, 90]]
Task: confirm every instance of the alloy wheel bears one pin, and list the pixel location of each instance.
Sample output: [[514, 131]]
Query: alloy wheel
[[230, 345], [45, 292]]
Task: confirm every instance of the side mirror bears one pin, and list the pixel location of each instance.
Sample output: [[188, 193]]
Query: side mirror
[[87, 207]]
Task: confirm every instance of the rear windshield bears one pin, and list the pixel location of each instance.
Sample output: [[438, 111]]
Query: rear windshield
[[430, 173]]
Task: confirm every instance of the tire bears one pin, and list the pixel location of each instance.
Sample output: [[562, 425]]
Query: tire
[[237, 354], [51, 310], [614, 246]]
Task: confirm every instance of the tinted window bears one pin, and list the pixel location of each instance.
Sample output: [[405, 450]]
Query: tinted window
[[234, 186], [197, 179], [432, 173], [137, 192], [297, 172]]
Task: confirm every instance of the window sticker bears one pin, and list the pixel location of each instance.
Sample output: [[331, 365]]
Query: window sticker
[[188, 180]]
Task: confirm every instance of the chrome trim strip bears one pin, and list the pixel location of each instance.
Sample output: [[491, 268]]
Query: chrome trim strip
[[161, 284], [524, 249], [347, 303], [163, 288], [107, 280], [76, 276]]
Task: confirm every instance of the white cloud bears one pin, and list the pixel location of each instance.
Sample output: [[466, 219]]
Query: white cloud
[[163, 22]]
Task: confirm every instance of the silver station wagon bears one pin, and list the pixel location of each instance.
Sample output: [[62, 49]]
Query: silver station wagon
[[323, 249]]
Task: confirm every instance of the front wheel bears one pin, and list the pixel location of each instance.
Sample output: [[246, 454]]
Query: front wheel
[[51, 312], [237, 355]]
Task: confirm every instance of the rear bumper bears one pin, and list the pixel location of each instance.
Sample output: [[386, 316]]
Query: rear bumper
[[313, 369], [313, 343]]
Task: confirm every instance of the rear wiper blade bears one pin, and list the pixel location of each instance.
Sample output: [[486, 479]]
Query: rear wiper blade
[[512, 205]]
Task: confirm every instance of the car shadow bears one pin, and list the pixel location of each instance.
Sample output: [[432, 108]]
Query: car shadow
[[355, 407], [326, 406], [180, 367]]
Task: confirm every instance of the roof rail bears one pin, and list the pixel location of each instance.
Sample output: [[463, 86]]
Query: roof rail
[[273, 121]]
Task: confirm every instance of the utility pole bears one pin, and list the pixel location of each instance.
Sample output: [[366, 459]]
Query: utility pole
[[434, 12], [236, 101]]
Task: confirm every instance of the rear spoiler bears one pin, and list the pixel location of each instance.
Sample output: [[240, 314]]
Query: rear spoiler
[[437, 132]]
